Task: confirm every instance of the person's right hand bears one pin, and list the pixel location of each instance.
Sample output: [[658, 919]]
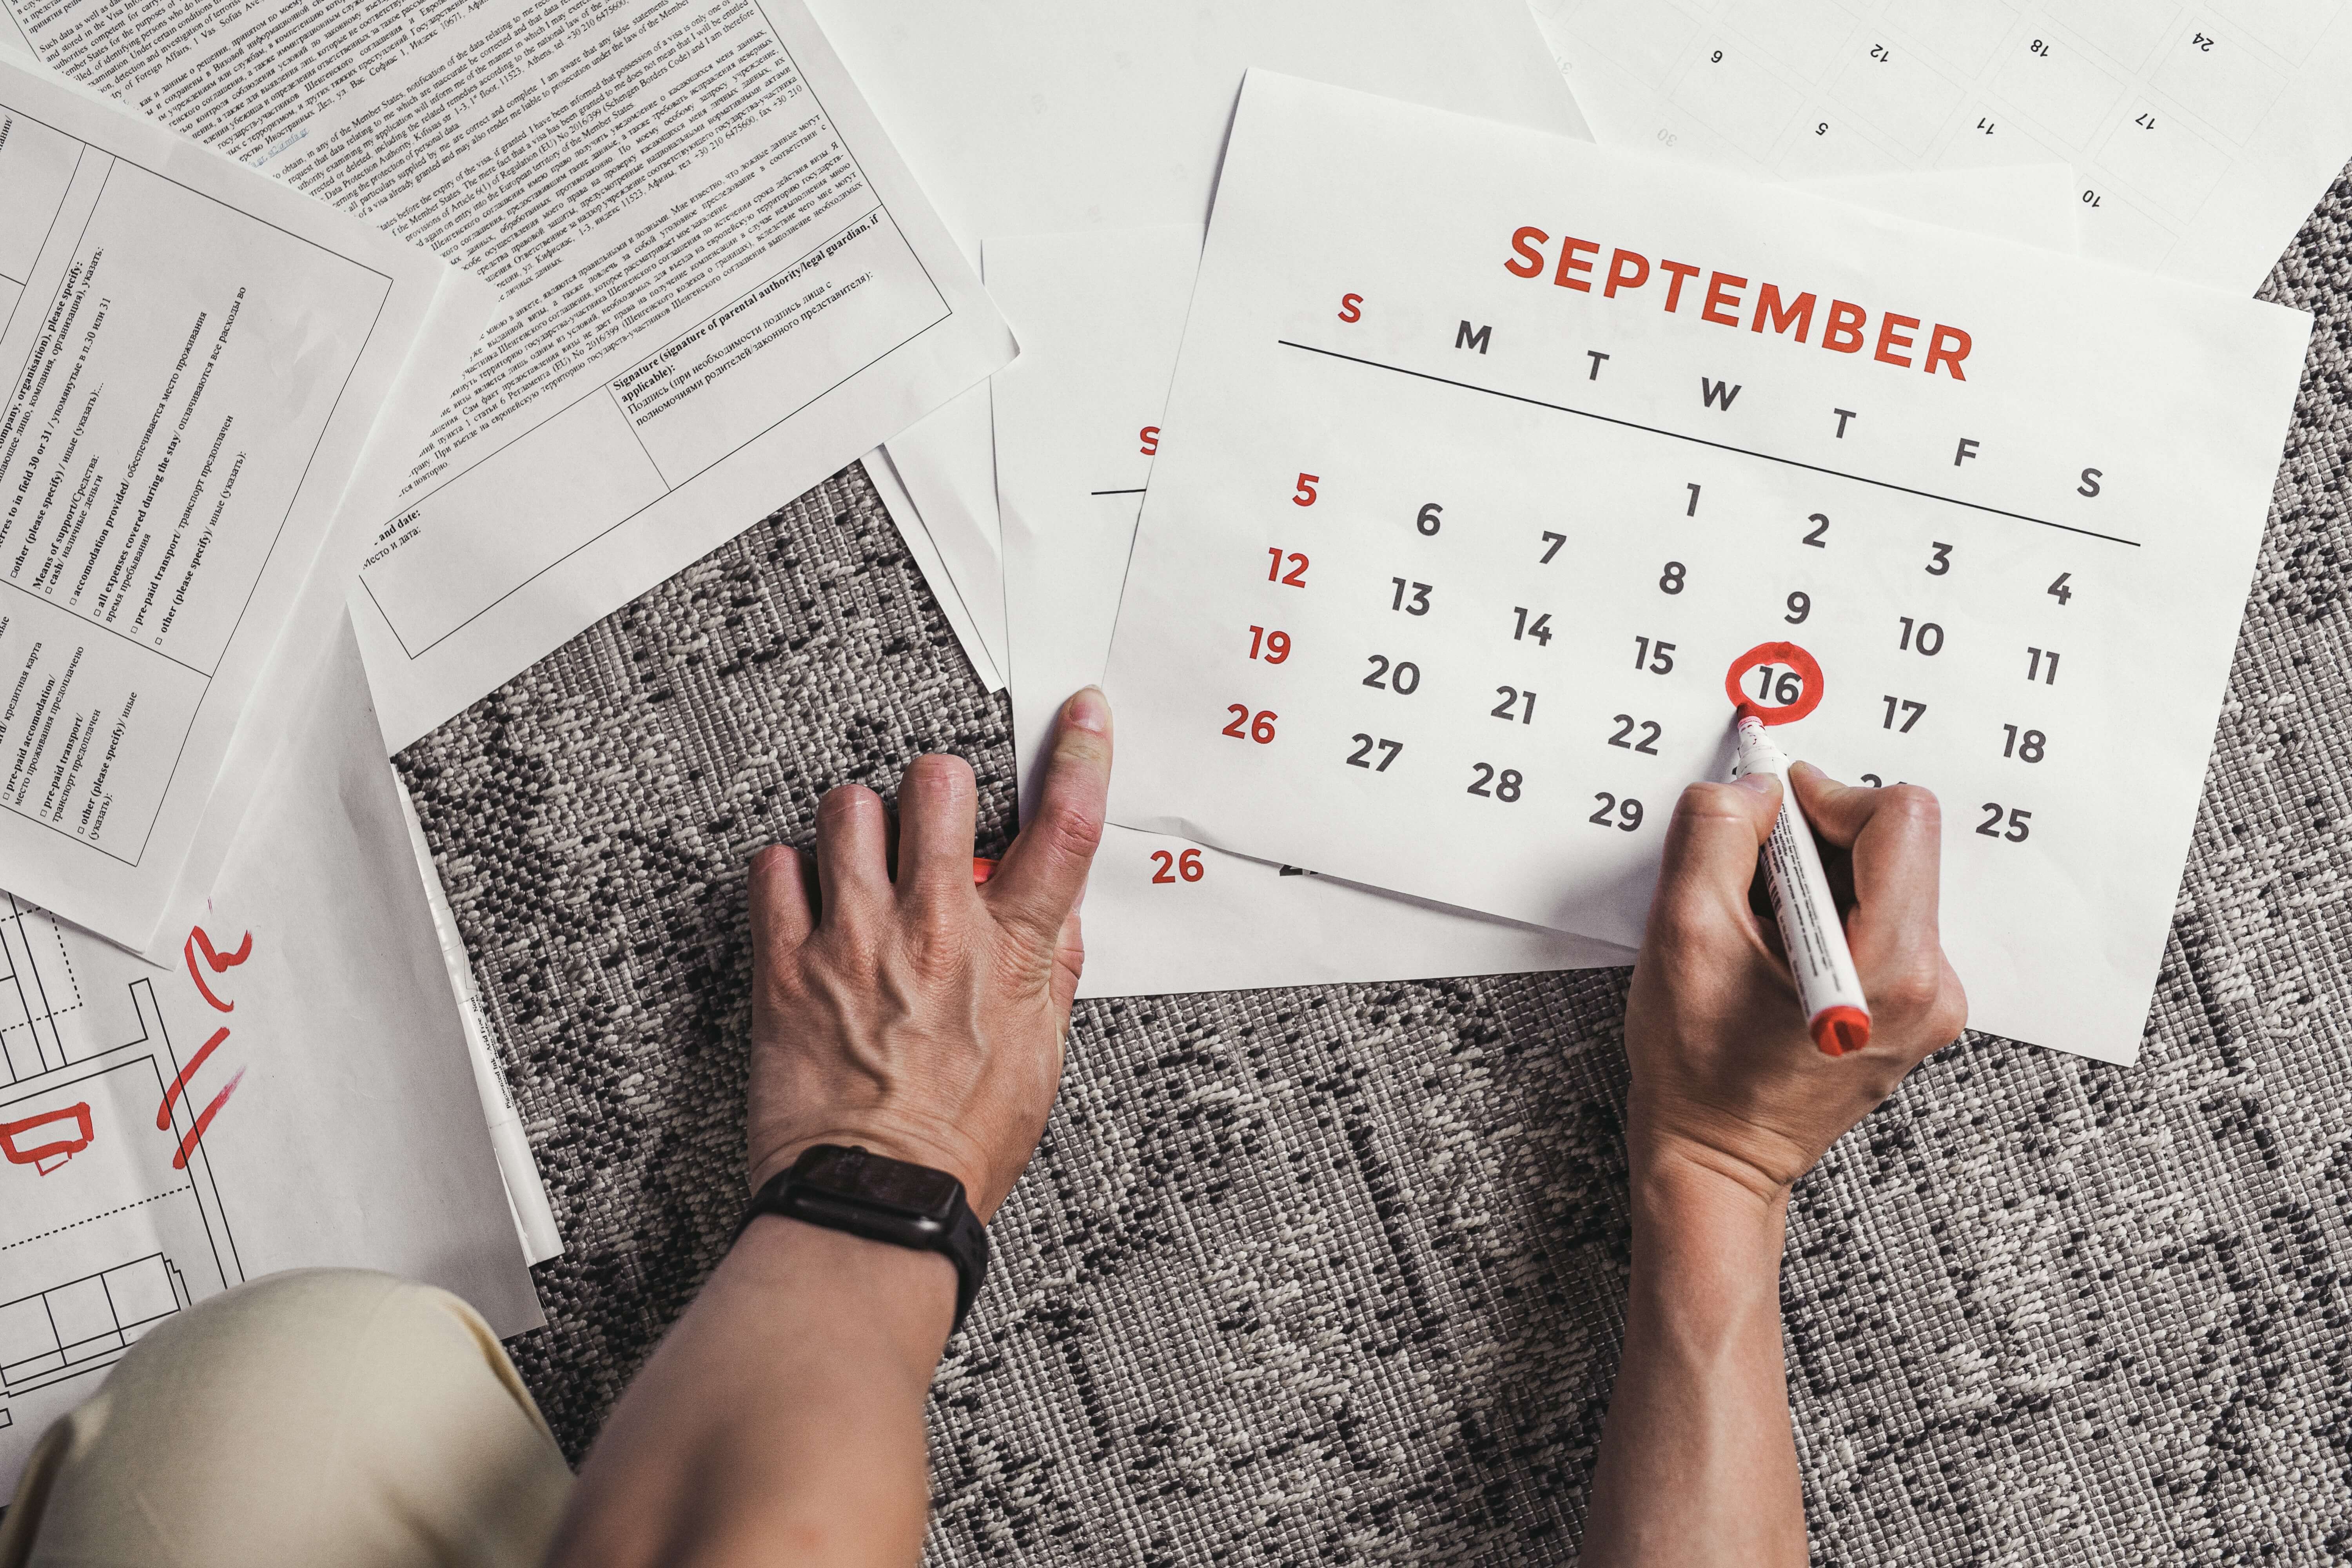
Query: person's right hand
[[1725, 1076]]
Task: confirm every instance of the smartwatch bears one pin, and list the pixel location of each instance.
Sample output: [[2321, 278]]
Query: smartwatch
[[881, 1199]]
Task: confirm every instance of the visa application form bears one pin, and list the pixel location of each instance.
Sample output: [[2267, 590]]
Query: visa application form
[[195, 361]]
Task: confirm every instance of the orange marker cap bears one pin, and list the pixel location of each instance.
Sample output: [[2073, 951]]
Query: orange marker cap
[[1841, 1031]]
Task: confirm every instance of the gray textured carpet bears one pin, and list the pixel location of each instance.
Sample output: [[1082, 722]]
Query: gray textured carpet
[[1337, 1276]]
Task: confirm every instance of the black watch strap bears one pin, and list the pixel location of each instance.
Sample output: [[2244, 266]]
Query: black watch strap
[[851, 1189]]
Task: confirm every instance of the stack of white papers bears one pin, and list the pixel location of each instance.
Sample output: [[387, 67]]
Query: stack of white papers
[[292, 1091], [220, 388], [207, 371]]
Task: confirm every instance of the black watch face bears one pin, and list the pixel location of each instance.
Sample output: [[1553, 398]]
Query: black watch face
[[890, 1183]]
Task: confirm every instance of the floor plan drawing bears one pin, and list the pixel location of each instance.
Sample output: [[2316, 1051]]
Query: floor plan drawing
[[29, 1042], [84, 1323], [110, 1219], [290, 1084]]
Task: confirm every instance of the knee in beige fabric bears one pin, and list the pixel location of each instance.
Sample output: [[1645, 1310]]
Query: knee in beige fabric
[[324, 1415]]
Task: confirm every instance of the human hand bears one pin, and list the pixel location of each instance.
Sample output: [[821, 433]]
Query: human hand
[[924, 1018], [1725, 1076]]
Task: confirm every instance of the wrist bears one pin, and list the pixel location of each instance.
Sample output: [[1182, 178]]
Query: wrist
[[1707, 1263], [905, 1294], [1700, 1197], [1690, 1147]]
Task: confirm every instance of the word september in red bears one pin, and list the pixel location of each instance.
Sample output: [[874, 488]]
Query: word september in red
[[1842, 330]]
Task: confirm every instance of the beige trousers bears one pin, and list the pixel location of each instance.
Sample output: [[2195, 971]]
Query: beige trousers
[[320, 1416]]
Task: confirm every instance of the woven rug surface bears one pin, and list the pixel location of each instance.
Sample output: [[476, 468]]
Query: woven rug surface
[[1338, 1275]]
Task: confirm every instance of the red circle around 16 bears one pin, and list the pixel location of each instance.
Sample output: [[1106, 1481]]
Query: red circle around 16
[[1808, 669]]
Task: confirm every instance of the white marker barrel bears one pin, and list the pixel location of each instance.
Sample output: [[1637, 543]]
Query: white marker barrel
[[1836, 1013]]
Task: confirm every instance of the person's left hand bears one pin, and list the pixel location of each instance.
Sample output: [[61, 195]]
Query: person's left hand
[[923, 1016]]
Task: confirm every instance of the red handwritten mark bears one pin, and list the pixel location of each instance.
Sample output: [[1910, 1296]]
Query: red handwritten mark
[[171, 1093], [204, 1119], [63, 1149], [1807, 669], [220, 962]]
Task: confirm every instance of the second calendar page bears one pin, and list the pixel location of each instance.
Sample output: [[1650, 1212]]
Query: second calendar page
[[1496, 464]]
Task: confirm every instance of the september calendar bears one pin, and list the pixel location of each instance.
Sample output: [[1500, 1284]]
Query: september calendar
[[1498, 468]]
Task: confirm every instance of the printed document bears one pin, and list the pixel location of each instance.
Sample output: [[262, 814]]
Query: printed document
[[1541, 457], [459, 312], [194, 359], [1076, 422], [2201, 135], [720, 283]]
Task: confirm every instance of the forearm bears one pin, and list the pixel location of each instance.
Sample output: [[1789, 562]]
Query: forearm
[[1698, 1461], [781, 1420]]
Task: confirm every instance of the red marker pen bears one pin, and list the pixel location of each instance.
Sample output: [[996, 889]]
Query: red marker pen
[[1836, 1014]]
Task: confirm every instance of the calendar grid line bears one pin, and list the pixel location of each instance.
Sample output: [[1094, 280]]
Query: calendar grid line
[[1703, 441]]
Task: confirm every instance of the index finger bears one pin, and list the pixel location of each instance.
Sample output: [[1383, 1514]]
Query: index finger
[[1709, 857], [1043, 874], [1897, 838]]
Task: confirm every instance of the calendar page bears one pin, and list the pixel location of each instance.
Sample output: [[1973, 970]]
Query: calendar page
[[2202, 133], [1539, 456], [1076, 421]]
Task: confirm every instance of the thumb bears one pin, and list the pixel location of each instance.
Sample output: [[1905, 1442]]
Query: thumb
[[1711, 845], [1042, 876]]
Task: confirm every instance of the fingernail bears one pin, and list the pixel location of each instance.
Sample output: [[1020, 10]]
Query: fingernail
[[1807, 767], [1089, 709], [1760, 784]]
